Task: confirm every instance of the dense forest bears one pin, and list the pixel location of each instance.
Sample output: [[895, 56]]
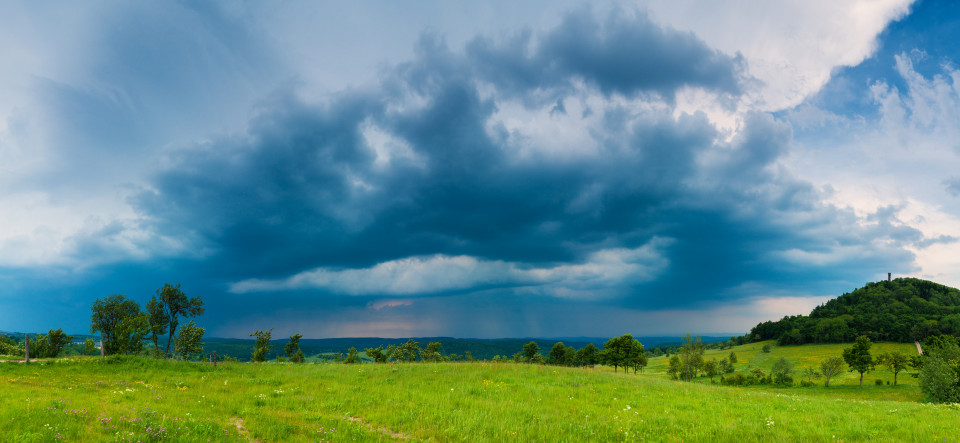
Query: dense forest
[[902, 310]]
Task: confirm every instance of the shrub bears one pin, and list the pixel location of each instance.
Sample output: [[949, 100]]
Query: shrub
[[766, 348], [878, 382], [734, 380], [806, 383], [782, 372], [938, 380]]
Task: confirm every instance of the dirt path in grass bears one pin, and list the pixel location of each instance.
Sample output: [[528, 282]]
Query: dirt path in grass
[[382, 430], [241, 429]]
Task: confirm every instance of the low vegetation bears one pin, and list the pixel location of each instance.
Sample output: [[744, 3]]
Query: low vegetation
[[739, 389], [143, 399]]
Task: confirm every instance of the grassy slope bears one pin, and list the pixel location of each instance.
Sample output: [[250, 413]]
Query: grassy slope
[[845, 385], [131, 399]]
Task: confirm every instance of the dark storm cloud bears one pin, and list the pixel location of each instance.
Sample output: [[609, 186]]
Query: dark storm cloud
[[306, 188], [624, 54]]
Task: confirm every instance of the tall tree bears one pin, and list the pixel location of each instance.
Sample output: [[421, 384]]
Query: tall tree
[[858, 357], [120, 323], [587, 355], [159, 322], [558, 354], [691, 357], [176, 304], [619, 351], [188, 340]]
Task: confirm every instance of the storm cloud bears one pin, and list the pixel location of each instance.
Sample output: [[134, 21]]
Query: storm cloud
[[593, 170]]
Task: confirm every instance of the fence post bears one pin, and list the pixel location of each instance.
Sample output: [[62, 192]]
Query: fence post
[[26, 348], [214, 358], [101, 350]]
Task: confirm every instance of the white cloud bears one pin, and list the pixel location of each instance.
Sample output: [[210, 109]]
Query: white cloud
[[791, 47], [900, 159], [602, 272]]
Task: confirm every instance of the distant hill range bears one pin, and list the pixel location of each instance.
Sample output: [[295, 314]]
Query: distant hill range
[[479, 348], [484, 349], [902, 310]]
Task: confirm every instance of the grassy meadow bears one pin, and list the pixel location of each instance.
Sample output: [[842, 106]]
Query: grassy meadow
[[140, 399]]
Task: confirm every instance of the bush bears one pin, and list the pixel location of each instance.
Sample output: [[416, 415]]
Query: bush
[[734, 380], [938, 380], [782, 372], [878, 382], [758, 377], [766, 348], [806, 383]]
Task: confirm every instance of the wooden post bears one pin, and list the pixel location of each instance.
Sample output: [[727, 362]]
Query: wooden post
[[214, 358], [101, 350], [26, 348]]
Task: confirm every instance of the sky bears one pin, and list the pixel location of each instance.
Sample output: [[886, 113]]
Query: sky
[[474, 169]]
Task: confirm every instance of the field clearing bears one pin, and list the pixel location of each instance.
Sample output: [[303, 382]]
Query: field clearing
[[140, 399]]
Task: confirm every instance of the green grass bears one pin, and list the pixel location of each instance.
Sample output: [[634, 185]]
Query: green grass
[[139, 399]]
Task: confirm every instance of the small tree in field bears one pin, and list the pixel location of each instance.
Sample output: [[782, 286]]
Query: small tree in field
[[292, 349], [558, 354], [531, 351], [711, 369], [353, 357], [674, 367], [782, 371], [895, 361], [431, 353], [376, 354], [89, 347], [830, 368], [858, 357], [262, 346], [407, 351], [733, 357], [175, 304], [691, 357], [188, 340]]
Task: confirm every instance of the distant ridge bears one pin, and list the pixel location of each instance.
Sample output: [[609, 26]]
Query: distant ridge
[[479, 348]]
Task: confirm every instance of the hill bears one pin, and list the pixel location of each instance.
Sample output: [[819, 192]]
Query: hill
[[902, 310]]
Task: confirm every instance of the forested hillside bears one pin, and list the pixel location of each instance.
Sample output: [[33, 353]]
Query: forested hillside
[[902, 310]]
